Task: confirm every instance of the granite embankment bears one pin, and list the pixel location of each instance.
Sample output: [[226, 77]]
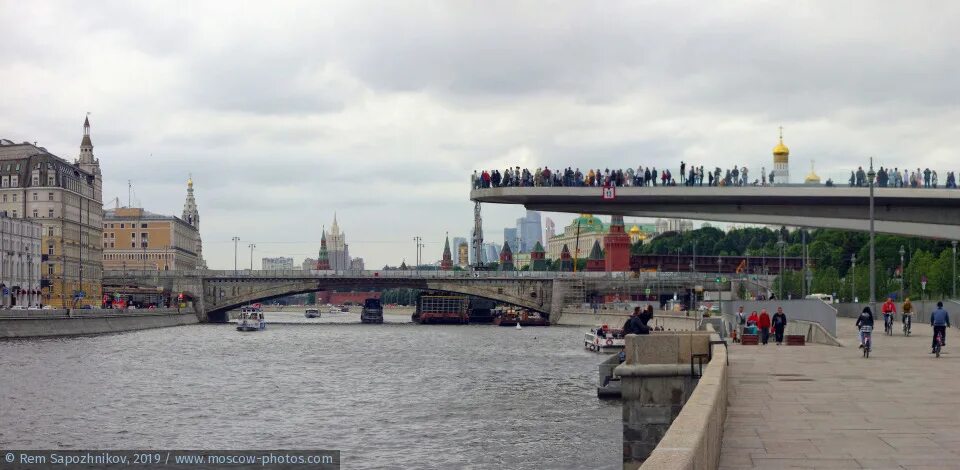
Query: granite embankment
[[16, 324]]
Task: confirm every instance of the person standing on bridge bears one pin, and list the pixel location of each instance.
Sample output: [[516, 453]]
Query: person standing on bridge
[[779, 324], [764, 325], [940, 320]]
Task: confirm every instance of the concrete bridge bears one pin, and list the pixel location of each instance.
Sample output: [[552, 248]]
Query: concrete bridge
[[215, 292], [921, 212]]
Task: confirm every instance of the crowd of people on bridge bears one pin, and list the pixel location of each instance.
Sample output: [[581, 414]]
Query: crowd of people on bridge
[[689, 175], [887, 178]]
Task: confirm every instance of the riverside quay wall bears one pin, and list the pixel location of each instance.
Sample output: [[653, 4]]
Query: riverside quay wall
[[674, 400], [21, 324]]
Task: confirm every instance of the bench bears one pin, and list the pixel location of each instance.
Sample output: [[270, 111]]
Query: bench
[[796, 340]]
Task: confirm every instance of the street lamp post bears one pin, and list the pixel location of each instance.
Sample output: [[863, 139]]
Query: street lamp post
[[871, 175], [780, 246], [954, 243], [853, 277], [903, 271], [719, 303], [803, 253], [235, 240], [252, 246]]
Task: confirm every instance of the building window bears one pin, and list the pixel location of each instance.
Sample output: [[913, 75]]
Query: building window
[[143, 245], [133, 235], [49, 196], [36, 213], [112, 235], [50, 180], [104, 244], [50, 213], [49, 231], [14, 197], [133, 244], [14, 180], [50, 269], [36, 181], [111, 244], [14, 213], [143, 235], [50, 249], [121, 226], [34, 196], [143, 225]]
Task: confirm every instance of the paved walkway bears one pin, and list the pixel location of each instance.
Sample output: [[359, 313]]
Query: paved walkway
[[827, 407]]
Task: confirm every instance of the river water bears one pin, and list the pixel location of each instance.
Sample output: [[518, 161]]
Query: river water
[[388, 396]]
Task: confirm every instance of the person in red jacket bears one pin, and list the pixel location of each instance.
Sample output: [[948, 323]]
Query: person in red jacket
[[764, 325], [889, 309]]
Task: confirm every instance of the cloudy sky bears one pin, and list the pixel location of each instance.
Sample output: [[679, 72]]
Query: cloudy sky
[[285, 112]]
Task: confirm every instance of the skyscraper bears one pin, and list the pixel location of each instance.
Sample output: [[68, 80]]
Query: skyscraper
[[510, 236], [337, 247], [530, 230]]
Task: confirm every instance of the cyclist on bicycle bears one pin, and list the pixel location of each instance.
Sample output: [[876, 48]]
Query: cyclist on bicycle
[[907, 318], [889, 309], [940, 320], [865, 319]]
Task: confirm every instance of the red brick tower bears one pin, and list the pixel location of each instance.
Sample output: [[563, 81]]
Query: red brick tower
[[446, 263], [616, 246]]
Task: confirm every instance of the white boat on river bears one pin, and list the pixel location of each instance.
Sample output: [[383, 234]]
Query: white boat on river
[[251, 319], [603, 339]]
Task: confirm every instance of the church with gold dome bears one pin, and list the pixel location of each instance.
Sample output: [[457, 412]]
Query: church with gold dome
[[781, 162]]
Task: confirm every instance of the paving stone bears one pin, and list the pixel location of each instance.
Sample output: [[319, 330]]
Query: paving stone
[[828, 407]]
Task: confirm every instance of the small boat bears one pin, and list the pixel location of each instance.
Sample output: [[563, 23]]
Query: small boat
[[520, 318], [312, 313], [603, 339], [251, 319]]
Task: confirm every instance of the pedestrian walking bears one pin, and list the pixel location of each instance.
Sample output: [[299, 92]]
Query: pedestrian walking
[[779, 324], [764, 324]]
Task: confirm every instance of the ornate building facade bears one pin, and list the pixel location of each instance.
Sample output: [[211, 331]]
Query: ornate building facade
[[136, 239], [66, 199]]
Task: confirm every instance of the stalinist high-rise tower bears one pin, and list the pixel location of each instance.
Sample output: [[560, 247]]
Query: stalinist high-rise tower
[[781, 162], [338, 249]]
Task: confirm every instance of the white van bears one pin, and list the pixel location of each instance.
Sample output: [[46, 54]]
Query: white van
[[824, 297]]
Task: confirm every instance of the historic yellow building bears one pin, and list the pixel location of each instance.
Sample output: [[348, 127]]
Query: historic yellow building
[[135, 239], [66, 199]]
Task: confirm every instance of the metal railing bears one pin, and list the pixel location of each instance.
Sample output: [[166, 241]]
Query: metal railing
[[412, 274]]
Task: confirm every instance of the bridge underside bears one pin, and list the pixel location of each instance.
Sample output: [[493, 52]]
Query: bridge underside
[[215, 296], [931, 213]]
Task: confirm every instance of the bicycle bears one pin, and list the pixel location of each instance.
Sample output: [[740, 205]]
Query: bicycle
[[907, 323], [937, 344], [888, 324], [867, 334]]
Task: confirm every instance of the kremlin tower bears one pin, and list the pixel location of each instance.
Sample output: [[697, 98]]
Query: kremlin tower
[[506, 257], [616, 244], [595, 261], [566, 262], [323, 258], [446, 263]]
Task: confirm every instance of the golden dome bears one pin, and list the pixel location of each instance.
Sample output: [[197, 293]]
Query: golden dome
[[781, 153], [634, 229], [812, 178]]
